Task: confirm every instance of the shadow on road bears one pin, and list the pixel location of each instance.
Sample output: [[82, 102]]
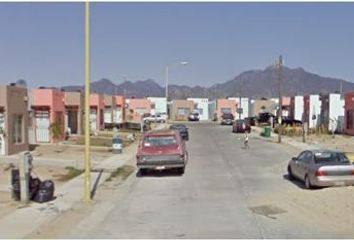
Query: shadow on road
[[299, 183], [156, 173]]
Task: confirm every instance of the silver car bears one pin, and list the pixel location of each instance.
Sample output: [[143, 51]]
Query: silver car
[[322, 168]]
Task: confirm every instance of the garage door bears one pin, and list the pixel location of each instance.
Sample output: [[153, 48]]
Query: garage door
[[42, 126]]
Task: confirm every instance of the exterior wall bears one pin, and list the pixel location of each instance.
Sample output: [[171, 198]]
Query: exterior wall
[[75, 100], [203, 104], [225, 104], [136, 109], [244, 105], [314, 110], [336, 110], [349, 114], [110, 105], [299, 108], [53, 100], [179, 104], [212, 109], [160, 104], [286, 102], [119, 118], [14, 100], [97, 102], [260, 106]]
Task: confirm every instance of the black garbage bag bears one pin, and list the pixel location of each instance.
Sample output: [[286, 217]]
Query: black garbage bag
[[34, 184], [45, 192]]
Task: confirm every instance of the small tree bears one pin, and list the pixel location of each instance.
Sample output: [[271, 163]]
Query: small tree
[[57, 130]]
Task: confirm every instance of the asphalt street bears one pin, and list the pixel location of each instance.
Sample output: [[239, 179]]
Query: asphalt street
[[224, 193]]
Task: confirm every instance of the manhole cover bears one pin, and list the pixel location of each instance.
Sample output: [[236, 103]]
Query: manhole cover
[[267, 210]]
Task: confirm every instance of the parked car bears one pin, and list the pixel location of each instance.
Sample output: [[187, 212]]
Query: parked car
[[251, 121], [322, 168], [265, 117], [157, 118], [161, 150], [182, 129], [291, 121], [193, 117], [227, 119], [241, 126]]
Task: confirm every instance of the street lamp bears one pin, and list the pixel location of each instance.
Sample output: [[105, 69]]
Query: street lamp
[[183, 63]]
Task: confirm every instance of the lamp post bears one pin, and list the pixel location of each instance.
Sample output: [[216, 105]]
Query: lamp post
[[87, 174], [280, 108], [167, 69]]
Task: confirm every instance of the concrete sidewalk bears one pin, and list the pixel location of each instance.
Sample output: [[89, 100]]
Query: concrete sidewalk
[[27, 219]]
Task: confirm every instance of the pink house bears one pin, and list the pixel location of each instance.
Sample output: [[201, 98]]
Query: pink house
[[49, 108], [97, 106], [137, 108], [119, 113], [225, 106], [349, 113]]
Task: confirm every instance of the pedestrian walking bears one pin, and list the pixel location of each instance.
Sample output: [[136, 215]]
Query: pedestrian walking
[[245, 141]]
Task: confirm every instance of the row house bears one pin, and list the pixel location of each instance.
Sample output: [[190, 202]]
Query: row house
[[349, 113], [297, 108], [97, 107], [13, 120], [225, 106], [159, 105], [332, 112], [74, 112], [119, 112], [312, 110], [48, 115], [262, 106], [242, 104], [137, 108], [201, 105], [109, 109], [180, 109]]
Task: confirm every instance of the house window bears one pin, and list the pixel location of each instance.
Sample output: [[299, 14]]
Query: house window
[[141, 110], [183, 111], [17, 129]]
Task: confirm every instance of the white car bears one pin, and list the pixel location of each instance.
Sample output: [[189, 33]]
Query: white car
[[154, 118]]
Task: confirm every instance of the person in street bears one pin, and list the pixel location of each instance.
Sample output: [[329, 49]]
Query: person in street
[[245, 141]]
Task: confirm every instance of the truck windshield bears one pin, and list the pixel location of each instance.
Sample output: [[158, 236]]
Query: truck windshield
[[159, 141]]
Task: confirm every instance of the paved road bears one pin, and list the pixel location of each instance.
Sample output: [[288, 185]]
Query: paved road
[[224, 193]]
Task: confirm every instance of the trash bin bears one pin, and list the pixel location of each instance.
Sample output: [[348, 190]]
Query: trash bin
[[117, 145], [267, 131]]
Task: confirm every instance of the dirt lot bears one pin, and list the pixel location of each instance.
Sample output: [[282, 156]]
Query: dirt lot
[[7, 205]]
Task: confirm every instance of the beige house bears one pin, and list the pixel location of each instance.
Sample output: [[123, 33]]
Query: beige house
[[262, 105], [74, 112], [180, 110], [13, 120]]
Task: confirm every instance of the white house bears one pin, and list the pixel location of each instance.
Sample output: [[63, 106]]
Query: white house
[[244, 104], [297, 107], [202, 106], [159, 103], [312, 110], [332, 111]]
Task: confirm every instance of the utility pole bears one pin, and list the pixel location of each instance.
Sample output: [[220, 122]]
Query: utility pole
[[280, 82], [87, 194]]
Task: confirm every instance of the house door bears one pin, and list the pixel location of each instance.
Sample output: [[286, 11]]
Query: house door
[[42, 126], [72, 121], [2, 130], [108, 115], [93, 120]]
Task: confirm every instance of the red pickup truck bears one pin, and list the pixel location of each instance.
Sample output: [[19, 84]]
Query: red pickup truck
[[161, 150]]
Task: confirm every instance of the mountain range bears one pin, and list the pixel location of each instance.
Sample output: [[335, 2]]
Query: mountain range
[[253, 84]]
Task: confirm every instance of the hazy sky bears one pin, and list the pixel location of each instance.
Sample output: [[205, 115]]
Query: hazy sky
[[43, 43]]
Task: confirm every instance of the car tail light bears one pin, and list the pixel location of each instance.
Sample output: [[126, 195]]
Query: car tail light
[[353, 172], [320, 173]]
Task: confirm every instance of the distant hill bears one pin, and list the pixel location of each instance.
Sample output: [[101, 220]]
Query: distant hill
[[253, 83]]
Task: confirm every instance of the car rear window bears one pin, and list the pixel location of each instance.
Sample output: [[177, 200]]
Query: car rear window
[[159, 141], [330, 157]]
